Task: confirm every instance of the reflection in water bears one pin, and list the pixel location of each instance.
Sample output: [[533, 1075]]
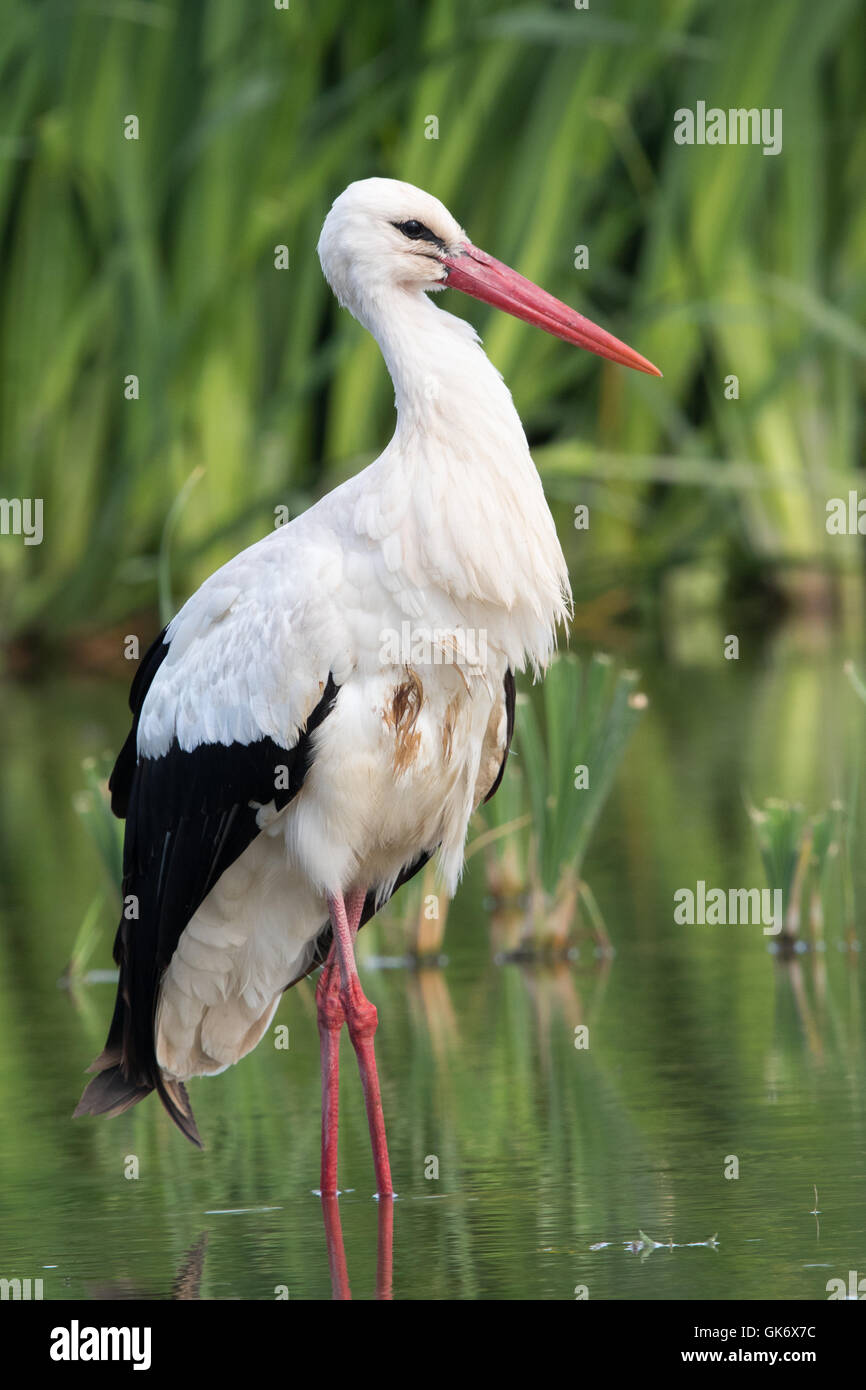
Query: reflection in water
[[560, 991], [187, 1283], [336, 1250], [645, 1245], [337, 1254]]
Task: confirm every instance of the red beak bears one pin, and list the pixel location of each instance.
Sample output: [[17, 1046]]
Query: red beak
[[476, 273]]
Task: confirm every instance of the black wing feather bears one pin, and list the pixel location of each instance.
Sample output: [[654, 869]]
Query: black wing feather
[[120, 781], [510, 700], [188, 818]]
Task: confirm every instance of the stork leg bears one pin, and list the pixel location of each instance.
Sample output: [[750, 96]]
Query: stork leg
[[361, 1019], [330, 1020], [331, 1017]]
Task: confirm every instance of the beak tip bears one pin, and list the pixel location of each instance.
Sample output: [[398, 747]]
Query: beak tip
[[649, 367]]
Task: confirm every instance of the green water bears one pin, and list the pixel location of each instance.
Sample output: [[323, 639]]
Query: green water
[[702, 1045]]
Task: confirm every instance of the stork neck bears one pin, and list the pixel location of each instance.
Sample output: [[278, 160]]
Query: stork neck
[[458, 472], [445, 387]]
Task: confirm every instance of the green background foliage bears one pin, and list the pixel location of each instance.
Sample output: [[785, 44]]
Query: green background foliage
[[156, 257]]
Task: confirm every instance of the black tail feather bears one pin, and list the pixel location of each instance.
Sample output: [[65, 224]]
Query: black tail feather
[[111, 1093], [173, 1095]]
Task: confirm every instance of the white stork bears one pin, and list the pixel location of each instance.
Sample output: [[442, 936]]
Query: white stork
[[290, 764]]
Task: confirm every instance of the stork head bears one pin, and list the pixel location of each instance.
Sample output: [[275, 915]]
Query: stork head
[[381, 234]]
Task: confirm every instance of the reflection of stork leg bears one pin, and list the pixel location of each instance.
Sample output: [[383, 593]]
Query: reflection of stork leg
[[384, 1252], [336, 1250]]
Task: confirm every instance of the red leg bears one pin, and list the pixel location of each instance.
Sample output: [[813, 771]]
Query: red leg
[[331, 1018], [361, 1019]]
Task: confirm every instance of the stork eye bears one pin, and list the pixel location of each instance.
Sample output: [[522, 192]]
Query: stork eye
[[416, 231]]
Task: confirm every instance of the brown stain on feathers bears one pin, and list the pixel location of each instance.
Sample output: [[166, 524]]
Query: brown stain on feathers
[[406, 702], [448, 729]]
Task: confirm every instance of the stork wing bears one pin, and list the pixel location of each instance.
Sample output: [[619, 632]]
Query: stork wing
[[190, 779]]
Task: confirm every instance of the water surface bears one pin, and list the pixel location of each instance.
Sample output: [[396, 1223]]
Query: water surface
[[704, 1046]]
